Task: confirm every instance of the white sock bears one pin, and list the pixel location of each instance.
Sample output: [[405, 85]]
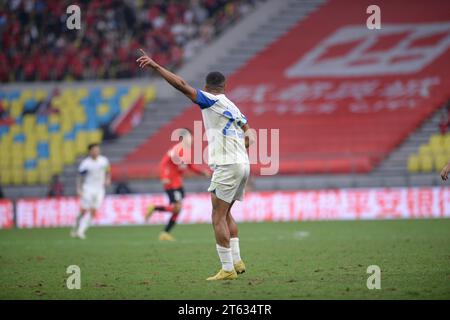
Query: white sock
[[84, 225], [234, 244], [225, 257], [76, 227]]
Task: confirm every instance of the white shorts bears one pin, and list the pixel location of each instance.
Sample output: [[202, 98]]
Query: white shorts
[[92, 198], [228, 181]]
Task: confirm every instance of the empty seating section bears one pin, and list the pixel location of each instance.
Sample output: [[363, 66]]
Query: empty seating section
[[343, 97], [431, 156], [50, 129]]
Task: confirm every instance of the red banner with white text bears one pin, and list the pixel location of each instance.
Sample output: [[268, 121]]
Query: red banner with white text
[[339, 204]]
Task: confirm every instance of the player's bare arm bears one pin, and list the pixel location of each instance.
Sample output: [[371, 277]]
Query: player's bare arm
[[249, 138], [174, 80], [445, 171]]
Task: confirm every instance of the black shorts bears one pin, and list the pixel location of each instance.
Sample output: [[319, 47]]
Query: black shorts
[[175, 195]]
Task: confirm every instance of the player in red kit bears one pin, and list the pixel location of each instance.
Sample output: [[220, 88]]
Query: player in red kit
[[172, 167]]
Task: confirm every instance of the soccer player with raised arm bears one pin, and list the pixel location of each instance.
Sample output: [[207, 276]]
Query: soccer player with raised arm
[[228, 137], [93, 177]]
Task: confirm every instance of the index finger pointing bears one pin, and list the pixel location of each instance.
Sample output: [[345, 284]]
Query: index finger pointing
[[143, 52]]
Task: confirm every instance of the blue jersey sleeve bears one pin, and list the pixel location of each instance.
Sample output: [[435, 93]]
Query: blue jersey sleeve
[[82, 169], [203, 101]]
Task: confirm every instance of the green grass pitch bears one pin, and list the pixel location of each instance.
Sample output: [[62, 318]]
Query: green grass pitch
[[296, 260]]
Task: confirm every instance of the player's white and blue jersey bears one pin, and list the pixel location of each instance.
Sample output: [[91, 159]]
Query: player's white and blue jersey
[[94, 172], [223, 123]]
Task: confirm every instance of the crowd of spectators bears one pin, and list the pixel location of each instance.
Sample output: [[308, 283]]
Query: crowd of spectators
[[36, 44]]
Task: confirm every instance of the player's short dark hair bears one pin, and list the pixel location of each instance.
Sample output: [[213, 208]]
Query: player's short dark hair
[[215, 79], [184, 132], [92, 145]]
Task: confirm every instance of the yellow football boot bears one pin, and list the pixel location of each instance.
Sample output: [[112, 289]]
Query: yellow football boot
[[164, 236], [239, 267], [150, 211], [224, 275]]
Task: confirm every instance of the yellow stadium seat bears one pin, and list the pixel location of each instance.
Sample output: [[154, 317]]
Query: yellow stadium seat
[[53, 118], [413, 164], [425, 150], [426, 163], [102, 109], [5, 147], [440, 161], [55, 145], [437, 149], [82, 93], [26, 94], [15, 129], [44, 176], [66, 113], [56, 138], [81, 143], [68, 152], [16, 109], [56, 167], [68, 92], [17, 150], [16, 162], [17, 177], [108, 92], [56, 159], [5, 161], [95, 136], [42, 132], [135, 91], [31, 177], [29, 122], [40, 95], [134, 94], [446, 153], [30, 150], [70, 106], [436, 139], [446, 141], [44, 170], [56, 151], [149, 94], [31, 137], [66, 126], [6, 177], [79, 116], [43, 164], [57, 102]]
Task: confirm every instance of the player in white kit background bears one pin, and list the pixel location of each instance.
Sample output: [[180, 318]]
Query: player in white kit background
[[228, 135], [93, 178]]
